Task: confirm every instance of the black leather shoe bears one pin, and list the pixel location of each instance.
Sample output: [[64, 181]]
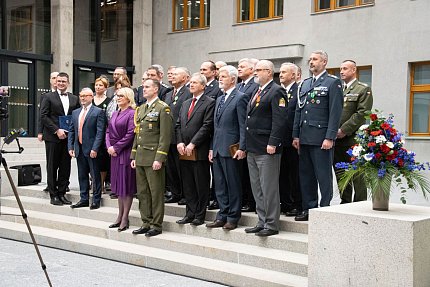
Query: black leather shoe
[[182, 201], [214, 205], [184, 220], [67, 189], [229, 226], [46, 189], [153, 232], [292, 212], [215, 224], [115, 225], [95, 206], [248, 208], [304, 216], [254, 229], [80, 204], [56, 201], [197, 222], [172, 200], [266, 232], [64, 200], [141, 230]]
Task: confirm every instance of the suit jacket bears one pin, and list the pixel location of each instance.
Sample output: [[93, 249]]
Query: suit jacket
[[164, 89], [139, 99], [212, 90], [93, 131], [319, 118], [291, 111], [51, 109], [39, 122], [229, 125], [110, 92], [266, 120], [175, 106], [199, 128], [249, 89], [357, 100]]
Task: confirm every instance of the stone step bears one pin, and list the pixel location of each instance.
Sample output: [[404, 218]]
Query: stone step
[[233, 274], [172, 209], [289, 241], [277, 260]]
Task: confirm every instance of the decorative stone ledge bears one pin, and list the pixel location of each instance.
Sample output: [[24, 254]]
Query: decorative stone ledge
[[353, 245]]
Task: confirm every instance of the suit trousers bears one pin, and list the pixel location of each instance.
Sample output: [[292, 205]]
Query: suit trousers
[[289, 187], [228, 188], [88, 165], [360, 189], [150, 192], [195, 184], [173, 175], [247, 197], [315, 168], [264, 174], [58, 167]]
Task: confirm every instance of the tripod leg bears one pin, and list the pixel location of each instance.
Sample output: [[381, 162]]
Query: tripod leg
[[24, 216]]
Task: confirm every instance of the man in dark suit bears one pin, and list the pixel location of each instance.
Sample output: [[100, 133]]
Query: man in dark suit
[[53, 106], [155, 72], [358, 100], [53, 84], [194, 130], [139, 99], [316, 122], [119, 72], [85, 138], [265, 131], [174, 99], [291, 198], [248, 87], [229, 129]]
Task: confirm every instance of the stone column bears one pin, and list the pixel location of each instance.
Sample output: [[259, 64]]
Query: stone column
[[142, 37], [62, 36]]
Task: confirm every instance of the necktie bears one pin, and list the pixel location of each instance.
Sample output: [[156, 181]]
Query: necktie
[[81, 124], [257, 95], [192, 107], [345, 87], [241, 86], [174, 97], [221, 104], [313, 81]]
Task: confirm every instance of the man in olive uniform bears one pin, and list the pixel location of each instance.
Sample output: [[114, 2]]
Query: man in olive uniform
[[316, 122], [151, 144], [358, 99]]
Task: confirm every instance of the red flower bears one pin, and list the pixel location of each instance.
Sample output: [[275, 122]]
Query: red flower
[[378, 155], [373, 117], [384, 148], [385, 126], [400, 162], [376, 133], [371, 144]]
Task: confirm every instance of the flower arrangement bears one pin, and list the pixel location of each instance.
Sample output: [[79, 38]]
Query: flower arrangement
[[379, 157]]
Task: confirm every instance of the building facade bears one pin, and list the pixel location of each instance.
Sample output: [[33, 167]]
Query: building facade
[[387, 38]]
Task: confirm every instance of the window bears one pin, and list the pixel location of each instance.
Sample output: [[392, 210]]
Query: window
[[190, 14], [364, 74], [21, 25], [254, 10], [109, 20], [327, 5], [419, 114]]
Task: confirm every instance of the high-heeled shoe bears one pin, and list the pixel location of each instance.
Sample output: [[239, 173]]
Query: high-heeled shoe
[[125, 227], [115, 225]]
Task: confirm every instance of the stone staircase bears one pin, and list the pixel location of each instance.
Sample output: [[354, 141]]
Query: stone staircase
[[232, 258]]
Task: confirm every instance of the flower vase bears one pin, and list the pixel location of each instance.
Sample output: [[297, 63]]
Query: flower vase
[[380, 199]]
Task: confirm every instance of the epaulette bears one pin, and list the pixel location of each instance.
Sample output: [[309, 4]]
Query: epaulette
[[362, 84], [333, 76], [309, 78], [136, 125], [164, 85]]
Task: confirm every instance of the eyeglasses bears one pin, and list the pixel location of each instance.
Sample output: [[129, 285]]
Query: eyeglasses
[[84, 96], [259, 70]]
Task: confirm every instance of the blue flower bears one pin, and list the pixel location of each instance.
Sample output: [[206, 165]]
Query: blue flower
[[381, 173]]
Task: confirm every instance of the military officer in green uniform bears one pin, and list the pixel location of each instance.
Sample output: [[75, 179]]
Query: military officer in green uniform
[[151, 144], [357, 99]]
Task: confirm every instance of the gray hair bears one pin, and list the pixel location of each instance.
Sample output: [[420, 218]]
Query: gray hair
[[232, 71], [185, 70], [322, 53], [200, 78], [268, 64], [86, 89], [293, 67]]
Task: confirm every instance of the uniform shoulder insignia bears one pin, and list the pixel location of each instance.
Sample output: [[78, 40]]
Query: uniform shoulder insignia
[[333, 76], [363, 84], [164, 85]]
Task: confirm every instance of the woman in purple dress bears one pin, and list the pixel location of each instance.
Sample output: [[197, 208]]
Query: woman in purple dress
[[119, 141]]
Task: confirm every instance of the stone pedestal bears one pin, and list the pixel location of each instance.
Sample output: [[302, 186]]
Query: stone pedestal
[[353, 245], [5, 186]]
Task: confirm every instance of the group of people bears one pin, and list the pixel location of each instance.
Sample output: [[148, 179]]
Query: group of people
[[226, 135]]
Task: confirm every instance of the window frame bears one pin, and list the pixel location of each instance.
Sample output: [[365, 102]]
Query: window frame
[[416, 88], [252, 12], [202, 19], [19, 26], [334, 6]]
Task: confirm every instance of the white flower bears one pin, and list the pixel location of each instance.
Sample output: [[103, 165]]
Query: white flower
[[368, 156], [356, 150], [363, 127], [390, 145], [380, 139]]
